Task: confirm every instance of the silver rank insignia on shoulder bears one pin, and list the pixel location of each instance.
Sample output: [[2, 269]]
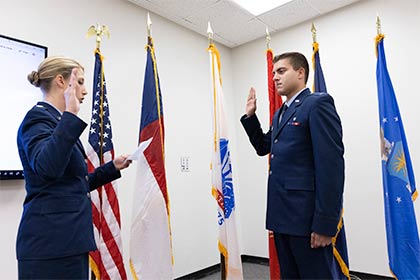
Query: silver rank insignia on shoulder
[[297, 100], [39, 106]]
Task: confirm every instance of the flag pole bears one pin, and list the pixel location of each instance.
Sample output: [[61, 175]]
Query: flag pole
[[98, 31], [222, 258]]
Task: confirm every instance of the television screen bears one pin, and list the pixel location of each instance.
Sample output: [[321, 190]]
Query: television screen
[[17, 59]]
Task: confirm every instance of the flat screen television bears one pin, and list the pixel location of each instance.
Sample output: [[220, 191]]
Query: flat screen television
[[17, 59]]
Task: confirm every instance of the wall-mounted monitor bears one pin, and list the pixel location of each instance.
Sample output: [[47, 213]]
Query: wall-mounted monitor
[[17, 59]]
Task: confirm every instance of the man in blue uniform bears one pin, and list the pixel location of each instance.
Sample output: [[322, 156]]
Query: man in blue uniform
[[306, 176]]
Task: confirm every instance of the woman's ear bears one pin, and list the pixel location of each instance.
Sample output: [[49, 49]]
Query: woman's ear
[[60, 81]]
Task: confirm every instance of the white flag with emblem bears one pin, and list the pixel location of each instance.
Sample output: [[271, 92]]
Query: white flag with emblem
[[222, 184]]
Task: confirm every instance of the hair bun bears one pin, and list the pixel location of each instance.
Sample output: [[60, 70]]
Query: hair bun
[[33, 78]]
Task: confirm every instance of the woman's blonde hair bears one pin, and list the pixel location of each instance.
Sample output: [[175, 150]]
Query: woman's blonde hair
[[50, 68]]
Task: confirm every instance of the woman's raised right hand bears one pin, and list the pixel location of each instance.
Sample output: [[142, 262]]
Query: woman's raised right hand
[[72, 103]]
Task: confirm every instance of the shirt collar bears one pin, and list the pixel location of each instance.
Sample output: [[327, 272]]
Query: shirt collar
[[291, 100]]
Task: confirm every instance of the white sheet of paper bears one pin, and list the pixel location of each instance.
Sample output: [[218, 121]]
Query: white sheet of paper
[[139, 150]]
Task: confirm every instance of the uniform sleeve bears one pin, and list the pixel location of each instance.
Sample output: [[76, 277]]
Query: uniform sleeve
[[328, 149], [259, 140], [103, 175], [48, 148]]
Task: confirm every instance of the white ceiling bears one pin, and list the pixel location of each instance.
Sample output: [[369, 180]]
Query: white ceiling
[[232, 25]]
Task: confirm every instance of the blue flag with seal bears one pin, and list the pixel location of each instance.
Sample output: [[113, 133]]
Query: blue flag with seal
[[339, 240], [398, 179]]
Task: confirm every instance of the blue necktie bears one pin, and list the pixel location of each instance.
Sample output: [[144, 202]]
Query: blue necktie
[[285, 107]]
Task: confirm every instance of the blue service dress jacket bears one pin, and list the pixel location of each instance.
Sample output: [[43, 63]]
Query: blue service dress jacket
[[57, 214], [306, 175]]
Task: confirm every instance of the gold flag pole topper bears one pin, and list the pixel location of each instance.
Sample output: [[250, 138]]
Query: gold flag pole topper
[[313, 29], [99, 31], [378, 25], [209, 33], [149, 26], [267, 38]]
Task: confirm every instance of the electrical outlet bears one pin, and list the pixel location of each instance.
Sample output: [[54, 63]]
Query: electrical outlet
[[185, 164]]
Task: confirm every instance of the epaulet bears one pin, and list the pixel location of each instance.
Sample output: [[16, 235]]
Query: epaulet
[[319, 93]]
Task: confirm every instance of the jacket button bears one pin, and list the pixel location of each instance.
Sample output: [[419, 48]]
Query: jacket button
[[271, 172], [272, 155], [87, 178], [88, 195], [276, 140]]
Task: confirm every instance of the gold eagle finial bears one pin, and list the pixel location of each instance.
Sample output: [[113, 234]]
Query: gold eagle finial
[[99, 31]]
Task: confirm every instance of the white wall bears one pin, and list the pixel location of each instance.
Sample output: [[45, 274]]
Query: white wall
[[348, 60], [184, 71], [346, 39]]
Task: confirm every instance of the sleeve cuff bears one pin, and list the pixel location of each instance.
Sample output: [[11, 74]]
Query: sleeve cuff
[[70, 126], [325, 225]]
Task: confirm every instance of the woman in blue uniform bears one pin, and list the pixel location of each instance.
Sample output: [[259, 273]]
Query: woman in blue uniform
[[56, 233]]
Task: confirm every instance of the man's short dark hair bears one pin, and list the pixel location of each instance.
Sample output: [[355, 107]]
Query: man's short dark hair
[[297, 60]]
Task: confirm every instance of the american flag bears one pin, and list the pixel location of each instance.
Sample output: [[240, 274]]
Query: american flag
[[106, 262]]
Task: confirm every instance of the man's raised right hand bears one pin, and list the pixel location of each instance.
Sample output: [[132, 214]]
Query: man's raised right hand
[[251, 103]]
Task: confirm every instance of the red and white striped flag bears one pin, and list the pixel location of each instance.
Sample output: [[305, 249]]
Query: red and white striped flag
[[106, 262]]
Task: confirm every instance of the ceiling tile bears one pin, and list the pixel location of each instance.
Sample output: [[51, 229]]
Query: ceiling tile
[[325, 6], [226, 19], [289, 14], [254, 29], [184, 8]]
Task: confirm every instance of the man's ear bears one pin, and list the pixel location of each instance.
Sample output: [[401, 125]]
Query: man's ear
[[301, 72]]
